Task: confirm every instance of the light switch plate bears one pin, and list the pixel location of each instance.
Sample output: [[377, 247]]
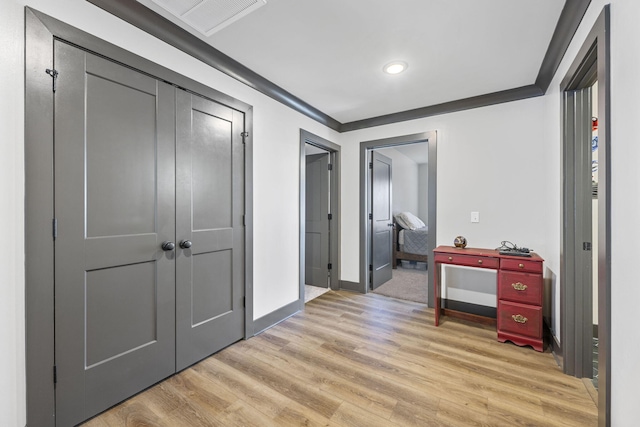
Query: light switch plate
[[475, 216]]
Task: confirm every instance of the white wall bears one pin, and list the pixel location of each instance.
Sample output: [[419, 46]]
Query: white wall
[[404, 181], [276, 175], [477, 151]]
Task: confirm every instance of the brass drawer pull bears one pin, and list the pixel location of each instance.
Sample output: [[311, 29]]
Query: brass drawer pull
[[521, 265], [519, 318], [450, 259], [480, 261], [519, 286]]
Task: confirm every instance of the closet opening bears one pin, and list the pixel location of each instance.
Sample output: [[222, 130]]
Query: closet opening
[[585, 294], [319, 216]]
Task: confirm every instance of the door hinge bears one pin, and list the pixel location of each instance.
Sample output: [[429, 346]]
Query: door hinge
[[330, 167], [244, 135], [330, 216], [370, 267], [329, 266], [244, 220], [370, 165], [586, 246], [54, 228], [370, 216], [55, 374], [244, 301], [54, 75]]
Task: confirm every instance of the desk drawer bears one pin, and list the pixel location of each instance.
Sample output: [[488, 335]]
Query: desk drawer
[[468, 260], [521, 264], [520, 319], [520, 287]]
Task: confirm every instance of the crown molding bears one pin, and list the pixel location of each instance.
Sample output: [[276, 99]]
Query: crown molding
[[149, 21], [158, 26], [447, 107], [568, 24]]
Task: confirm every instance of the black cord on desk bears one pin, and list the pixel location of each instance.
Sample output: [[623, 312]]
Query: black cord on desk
[[507, 246]]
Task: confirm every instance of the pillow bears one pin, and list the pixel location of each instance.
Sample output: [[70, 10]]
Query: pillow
[[401, 222], [409, 221]]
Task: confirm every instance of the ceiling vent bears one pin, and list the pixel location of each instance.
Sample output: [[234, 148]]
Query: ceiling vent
[[209, 16]]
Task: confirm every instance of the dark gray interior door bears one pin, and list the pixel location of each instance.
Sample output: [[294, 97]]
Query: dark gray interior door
[[317, 220], [578, 207], [210, 230], [114, 204], [382, 220]]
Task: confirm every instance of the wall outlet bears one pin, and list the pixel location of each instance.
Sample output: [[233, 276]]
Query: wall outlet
[[475, 216]]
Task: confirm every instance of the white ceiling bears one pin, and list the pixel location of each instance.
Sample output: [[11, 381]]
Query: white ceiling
[[330, 53]]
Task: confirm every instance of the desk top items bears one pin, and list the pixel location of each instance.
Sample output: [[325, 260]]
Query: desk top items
[[460, 242], [508, 248]]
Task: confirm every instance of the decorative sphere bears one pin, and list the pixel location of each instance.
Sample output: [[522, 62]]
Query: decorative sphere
[[460, 242]]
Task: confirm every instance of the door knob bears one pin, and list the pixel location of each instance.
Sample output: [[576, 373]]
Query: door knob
[[168, 246], [185, 244], [390, 225]]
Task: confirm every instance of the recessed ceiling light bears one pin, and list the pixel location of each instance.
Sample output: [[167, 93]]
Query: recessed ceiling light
[[395, 67]]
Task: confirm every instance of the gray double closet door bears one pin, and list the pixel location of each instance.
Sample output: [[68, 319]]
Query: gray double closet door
[[149, 253]]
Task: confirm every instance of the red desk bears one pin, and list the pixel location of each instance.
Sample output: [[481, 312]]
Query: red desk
[[519, 290]]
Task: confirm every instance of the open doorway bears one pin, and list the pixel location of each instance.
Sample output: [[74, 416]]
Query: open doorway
[[585, 295], [595, 225], [370, 256], [319, 216], [408, 205]]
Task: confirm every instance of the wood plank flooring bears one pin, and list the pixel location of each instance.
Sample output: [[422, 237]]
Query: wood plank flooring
[[365, 360]]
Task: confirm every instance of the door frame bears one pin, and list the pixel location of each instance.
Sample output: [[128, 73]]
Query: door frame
[[307, 137], [40, 32], [590, 64], [431, 138]]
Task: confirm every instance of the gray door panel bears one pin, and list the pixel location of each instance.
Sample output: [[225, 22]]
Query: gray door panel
[[382, 230], [210, 208], [114, 201], [121, 145], [317, 220], [104, 252]]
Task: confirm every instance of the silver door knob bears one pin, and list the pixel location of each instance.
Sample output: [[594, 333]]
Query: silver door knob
[[168, 246], [185, 244]]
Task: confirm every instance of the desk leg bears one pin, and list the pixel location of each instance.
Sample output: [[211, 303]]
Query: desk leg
[[436, 290]]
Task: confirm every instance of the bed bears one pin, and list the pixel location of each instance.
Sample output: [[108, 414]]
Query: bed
[[409, 239]]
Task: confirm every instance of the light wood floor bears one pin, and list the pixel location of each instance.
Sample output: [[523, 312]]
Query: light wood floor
[[365, 360]]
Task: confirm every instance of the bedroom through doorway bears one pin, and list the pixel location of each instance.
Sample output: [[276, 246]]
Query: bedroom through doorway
[[399, 218], [409, 208]]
